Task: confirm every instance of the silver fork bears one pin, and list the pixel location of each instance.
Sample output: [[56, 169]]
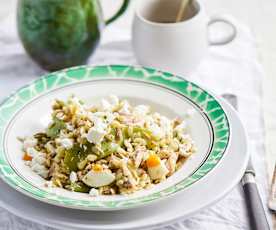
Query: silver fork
[[255, 209]]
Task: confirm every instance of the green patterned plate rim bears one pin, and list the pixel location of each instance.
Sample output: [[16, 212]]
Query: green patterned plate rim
[[208, 104]]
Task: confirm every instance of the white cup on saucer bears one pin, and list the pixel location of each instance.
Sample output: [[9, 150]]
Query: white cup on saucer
[[178, 47]]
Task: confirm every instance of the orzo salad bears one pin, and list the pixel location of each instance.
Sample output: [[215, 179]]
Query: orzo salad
[[109, 148]]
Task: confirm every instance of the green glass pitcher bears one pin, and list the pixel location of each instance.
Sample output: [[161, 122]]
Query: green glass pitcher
[[61, 33]]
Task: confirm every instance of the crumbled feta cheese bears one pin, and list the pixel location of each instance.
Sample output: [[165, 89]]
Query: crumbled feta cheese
[[94, 192], [40, 170], [109, 117], [98, 119], [81, 107], [95, 135], [165, 125], [125, 108], [29, 142], [103, 117], [73, 177], [93, 116], [40, 159], [65, 142], [100, 125], [109, 103], [32, 151], [141, 110], [156, 130]]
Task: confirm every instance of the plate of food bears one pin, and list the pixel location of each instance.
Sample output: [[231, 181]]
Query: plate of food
[[227, 175], [109, 137]]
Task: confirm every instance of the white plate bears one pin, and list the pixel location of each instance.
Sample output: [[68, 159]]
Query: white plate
[[28, 112], [227, 175]]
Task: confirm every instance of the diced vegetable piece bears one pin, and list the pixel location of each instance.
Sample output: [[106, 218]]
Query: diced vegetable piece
[[125, 133], [107, 149], [74, 156], [55, 128], [147, 135], [80, 187], [143, 131], [27, 157]]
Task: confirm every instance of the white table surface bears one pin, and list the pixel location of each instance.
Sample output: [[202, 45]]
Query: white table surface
[[257, 14]]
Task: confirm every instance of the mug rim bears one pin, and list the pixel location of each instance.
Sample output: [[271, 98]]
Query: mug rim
[[162, 24]]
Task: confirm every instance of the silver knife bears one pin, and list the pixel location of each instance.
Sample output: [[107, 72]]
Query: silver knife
[[256, 212]]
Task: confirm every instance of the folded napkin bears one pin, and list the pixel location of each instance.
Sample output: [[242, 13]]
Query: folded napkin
[[232, 68]]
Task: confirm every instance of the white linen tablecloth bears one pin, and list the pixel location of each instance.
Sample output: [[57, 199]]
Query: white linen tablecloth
[[232, 68]]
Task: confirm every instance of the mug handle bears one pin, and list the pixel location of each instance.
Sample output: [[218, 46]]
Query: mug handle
[[121, 10], [226, 39]]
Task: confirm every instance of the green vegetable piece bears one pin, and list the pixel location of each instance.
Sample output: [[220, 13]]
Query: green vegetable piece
[[124, 135], [107, 149], [79, 187], [73, 156], [55, 128], [151, 144], [145, 133]]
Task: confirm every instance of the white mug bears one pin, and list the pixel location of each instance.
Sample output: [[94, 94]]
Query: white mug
[[177, 47]]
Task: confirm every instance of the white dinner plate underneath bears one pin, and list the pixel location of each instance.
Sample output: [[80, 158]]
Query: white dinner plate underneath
[[164, 212]]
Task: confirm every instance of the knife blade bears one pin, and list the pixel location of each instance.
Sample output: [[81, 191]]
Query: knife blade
[[255, 209]]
